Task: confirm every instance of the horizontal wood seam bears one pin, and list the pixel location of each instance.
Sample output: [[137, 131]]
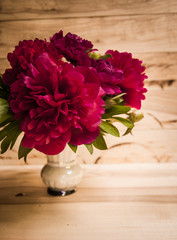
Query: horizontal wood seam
[[79, 17]]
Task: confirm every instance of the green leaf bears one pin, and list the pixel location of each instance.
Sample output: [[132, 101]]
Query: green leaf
[[115, 110], [9, 136], [89, 148], [73, 147], [5, 117], [9, 141], [109, 128], [124, 121], [4, 109], [5, 145], [6, 121], [3, 103], [100, 143], [23, 151], [14, 138], [104, 57], [8, 129], [129, 130]]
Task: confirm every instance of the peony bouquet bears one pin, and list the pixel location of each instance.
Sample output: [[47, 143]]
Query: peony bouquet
[[63, 91]]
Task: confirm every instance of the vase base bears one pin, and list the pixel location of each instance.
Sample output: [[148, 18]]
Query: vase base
[[60, 192]]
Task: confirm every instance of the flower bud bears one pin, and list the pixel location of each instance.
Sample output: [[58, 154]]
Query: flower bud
[[136, 116], [109, 102], [96, 55]]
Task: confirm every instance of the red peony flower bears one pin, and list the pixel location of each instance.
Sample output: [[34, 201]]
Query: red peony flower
[[109, 78], [57, 104], [73, 48], [26, 52], [133, 82]]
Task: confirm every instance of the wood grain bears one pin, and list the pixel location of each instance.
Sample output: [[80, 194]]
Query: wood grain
[[126, 33], [139, 181], [164, 101], [123, 221], [37, 9], [145, 145], [112, 202]]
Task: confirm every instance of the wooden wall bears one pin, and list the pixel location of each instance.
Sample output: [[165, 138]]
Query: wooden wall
[[147, 28]]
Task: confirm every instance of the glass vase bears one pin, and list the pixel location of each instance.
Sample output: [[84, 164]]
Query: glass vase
[[62, 173]]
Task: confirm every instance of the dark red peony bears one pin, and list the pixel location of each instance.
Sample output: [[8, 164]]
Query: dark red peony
[[134, 76], [26, 52], [109, 78], [57, 104], [73, 48]]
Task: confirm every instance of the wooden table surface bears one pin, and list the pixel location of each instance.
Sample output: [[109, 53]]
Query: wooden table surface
[[113, 202]]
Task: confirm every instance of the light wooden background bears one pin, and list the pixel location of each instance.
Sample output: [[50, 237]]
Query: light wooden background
[[147, 28]]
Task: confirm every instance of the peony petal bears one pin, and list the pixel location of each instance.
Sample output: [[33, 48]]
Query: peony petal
[[133, 81], [79, 137], [52, 148], [56, 145], [133, 98], [28, 142]]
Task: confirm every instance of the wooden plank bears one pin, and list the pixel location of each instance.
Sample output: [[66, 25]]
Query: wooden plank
[[33, 9], [145, 146], [136, 221], [125, 33], [124, 201], [156, 120], [164, 100], [21, 195], [137, 180], [161, 68], [159, 65]]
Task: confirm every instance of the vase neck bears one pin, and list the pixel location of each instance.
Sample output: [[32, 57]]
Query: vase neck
[[66, 157]]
